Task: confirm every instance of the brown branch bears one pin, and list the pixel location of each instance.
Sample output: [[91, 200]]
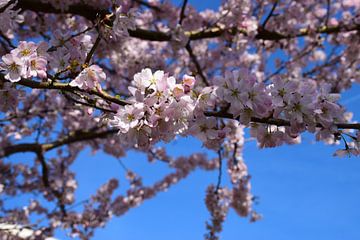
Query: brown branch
[[73, 137], [90, 13], [88, 103], [80, 8], [218, 184], [328, 6]]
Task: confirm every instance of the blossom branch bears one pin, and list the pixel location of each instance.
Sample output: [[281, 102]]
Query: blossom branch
[[106, 96]]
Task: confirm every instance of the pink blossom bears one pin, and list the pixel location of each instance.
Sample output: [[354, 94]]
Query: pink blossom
[[37, 67], [13, 67], [128, 117], [204, 129], [25, 50], [188, 82], [89, 78], [123, 22]]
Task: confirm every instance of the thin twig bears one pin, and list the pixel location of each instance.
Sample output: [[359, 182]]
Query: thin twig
[[45, 180], [197, 64], [182, 12], [270, 14], [220, 171], [327, 12], [92, 50]]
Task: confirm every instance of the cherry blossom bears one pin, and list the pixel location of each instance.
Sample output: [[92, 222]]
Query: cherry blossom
[[89, 78], [123, 22], [13, 67]]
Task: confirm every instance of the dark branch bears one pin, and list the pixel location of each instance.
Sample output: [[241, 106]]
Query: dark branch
[[90, 13], [66, 87], [220, 171], [196, 63], [92, 50], [270, 14], [182, 12], [73, 137], [278, 122]]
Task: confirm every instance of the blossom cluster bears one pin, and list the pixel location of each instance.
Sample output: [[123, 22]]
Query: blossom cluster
[[302, 103], [107, 203], [67, 51], [9, 97], [160, 109], [27, 60], [217, 202]]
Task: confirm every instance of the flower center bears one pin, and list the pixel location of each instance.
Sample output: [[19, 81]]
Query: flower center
[[25, 52], [13, 67]]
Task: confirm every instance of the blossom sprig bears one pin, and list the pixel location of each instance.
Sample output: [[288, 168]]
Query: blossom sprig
[[162, 108], [352, 146]]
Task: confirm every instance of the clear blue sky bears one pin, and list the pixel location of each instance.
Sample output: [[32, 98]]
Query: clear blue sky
[[304, 192]]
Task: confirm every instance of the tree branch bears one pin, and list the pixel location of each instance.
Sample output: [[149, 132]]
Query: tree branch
[[270, 14], [196, 63], [66, 87], [277, 121], [46, 182], [90, 13], [92, 50], [73, 137]]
